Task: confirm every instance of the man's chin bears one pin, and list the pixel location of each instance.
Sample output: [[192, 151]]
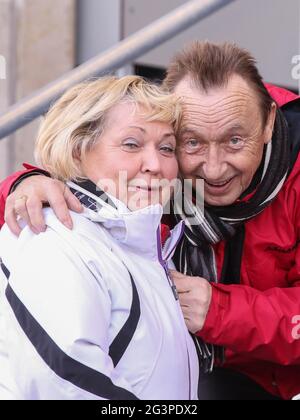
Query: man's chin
[[220, 201]]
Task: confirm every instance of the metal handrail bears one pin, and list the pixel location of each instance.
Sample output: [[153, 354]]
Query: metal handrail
[[125, 51]]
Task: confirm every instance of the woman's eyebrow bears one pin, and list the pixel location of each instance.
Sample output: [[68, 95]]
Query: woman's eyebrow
[[138, 127], [169, 134]]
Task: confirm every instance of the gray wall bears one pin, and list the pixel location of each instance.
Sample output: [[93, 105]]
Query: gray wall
[[268, 28], [99, 26], [37, 40]]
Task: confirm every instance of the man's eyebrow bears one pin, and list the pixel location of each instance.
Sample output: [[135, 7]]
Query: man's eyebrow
[[188, 131], [235, 127]]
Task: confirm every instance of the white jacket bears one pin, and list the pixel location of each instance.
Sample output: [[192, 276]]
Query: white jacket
[[90, 313]]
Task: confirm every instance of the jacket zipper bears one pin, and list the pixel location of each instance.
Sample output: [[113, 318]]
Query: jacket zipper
[[170, 280], [164, 264]]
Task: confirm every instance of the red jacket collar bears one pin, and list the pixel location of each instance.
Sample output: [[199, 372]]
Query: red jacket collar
[[281, 96]]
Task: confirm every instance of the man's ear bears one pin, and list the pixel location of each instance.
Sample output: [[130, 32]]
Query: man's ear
[[270, 123]]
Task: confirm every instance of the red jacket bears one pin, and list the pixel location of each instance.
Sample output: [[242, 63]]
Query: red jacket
[[258, 321]]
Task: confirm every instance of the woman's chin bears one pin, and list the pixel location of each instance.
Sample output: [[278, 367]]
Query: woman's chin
[[140, 206], [142, 201]]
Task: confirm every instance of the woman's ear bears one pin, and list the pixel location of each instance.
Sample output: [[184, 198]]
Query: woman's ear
[[77, 155], [270, 123]]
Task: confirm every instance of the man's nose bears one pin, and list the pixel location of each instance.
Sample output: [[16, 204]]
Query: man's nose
[[214, 166]]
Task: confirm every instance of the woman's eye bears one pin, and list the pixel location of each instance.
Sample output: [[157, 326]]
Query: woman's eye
[[168, 149], [131, 145]]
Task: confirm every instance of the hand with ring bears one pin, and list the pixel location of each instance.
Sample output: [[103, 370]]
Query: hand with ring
[[27, 201], [20, 205]]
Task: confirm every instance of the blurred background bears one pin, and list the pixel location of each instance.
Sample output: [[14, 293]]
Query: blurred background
[[40, 40]]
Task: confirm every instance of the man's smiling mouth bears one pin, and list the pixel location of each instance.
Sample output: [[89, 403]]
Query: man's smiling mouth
[[219, 184]]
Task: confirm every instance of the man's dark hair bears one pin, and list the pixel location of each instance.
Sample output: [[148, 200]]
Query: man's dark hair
[[211, 65]]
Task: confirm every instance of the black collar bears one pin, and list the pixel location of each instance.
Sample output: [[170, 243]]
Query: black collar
[[92, 188]]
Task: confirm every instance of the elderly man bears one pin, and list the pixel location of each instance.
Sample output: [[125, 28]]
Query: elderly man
[[238, 275]]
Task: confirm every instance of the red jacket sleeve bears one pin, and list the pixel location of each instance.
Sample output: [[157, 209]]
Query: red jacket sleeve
[[263, 324], [7, 184]]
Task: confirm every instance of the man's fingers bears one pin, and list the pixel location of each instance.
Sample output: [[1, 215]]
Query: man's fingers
[[176, 274], [184, 299], [72, 202], [27, 202], [10, 218], [180, 277], [182, 285], [21, 210], [35, 219], [58, 204]]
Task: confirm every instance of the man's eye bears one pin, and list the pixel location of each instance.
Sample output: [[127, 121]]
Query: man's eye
[[236, 142], [191, 144]]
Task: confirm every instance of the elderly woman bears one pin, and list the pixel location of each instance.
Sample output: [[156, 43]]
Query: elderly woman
[[240, 264], [92, 313]]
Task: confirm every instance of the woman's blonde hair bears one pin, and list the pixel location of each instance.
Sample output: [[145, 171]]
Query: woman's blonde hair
[[74, 123]]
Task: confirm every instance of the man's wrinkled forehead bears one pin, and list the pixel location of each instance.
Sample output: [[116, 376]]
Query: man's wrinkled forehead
[[235, 100]]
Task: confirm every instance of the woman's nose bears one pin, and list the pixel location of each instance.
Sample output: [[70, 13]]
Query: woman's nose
[[151, 161]]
